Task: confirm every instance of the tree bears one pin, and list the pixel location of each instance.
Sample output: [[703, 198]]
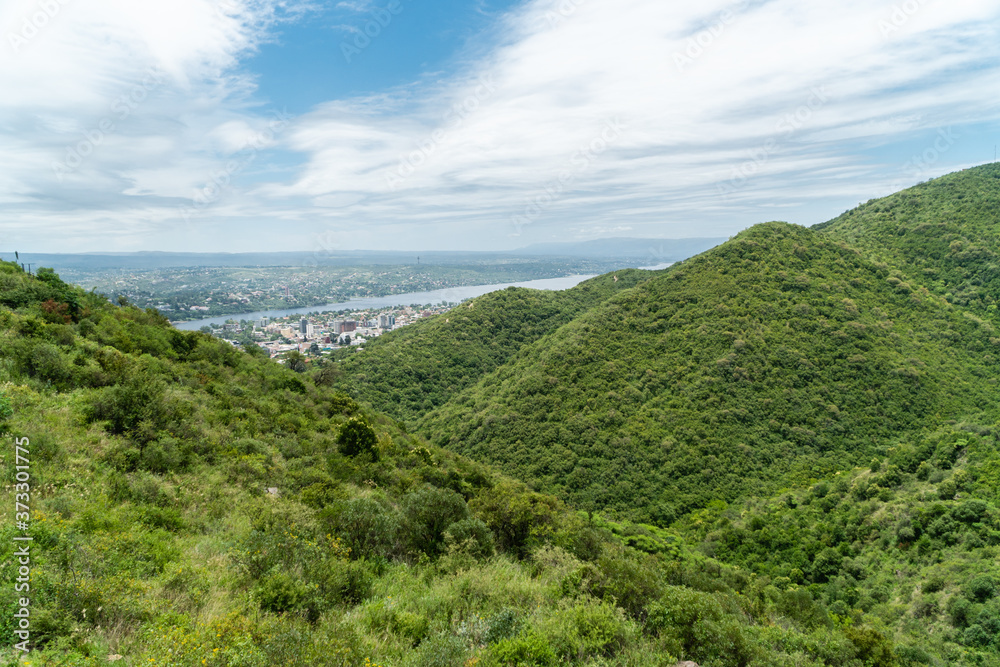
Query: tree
[[296, 361], [357, 437]]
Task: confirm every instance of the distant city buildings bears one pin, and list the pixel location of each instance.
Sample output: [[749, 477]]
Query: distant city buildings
[[305, 334]]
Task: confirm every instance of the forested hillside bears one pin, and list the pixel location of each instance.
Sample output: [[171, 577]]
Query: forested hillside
[[192, 504], [911, 539], [779, 356], [415, 369], [945, 234]]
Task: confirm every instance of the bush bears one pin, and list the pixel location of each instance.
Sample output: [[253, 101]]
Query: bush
[[586, 629], [697, 626], [442, 651], [126, 407], [514, 515], [503, 625], [427, 514], [526, 650], [357, 437], [470, 536], [281, 593], [976, 635], [981, 588], [369, 528], [6, 412]]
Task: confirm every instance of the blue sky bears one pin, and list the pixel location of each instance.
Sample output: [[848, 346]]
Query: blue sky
[[317, 58], [248, 125]]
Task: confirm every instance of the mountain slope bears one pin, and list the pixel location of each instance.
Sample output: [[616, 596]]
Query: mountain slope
[[410, 371], [913, 539], [945, 234], [775, 357], [191, 504]]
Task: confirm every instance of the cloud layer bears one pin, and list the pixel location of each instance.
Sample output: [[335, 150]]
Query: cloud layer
[[131, 124]]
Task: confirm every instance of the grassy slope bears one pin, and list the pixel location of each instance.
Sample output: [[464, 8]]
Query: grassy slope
[[418, 368], [777, 356], [154, 538], [945, 234]]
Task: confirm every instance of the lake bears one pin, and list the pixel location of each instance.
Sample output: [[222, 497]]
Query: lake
[[451, 294]]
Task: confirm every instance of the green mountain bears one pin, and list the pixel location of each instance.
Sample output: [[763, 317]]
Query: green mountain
[[944, 234], [193, 504], [779, 356], [413, 370]]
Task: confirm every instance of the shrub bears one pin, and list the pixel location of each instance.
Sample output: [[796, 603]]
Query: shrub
[[357, 437], [6, 412], [525, 650], [470, 536], [281, 593], [427, 514], [348, 582], [126, 407], [587, 628], [165, 455], [369, 528], [981, 588], [514, 515], [442, 651], [503, 625], [696, 625], [976, 635]]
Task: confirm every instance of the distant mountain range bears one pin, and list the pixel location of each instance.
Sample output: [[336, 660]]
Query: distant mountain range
[[654, 251]]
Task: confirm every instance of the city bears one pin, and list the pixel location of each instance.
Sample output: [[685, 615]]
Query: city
[[321, 333]]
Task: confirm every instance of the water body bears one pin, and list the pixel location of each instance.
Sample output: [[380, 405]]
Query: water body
[[449, 295]]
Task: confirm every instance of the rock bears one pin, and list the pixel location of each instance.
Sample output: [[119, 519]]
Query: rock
[[686, 663]]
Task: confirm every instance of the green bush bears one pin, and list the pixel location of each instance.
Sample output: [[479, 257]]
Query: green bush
[[981, 588], [427, 513], [6, 412], [126, 407], [370, 528], [698, 627], [470, 536], [515, 515], [281, 592], [357, 437], [585, 629], [528, 649], [441, 651], [502, 625]]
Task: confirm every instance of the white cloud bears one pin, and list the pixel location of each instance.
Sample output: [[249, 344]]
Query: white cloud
[[727, 111]]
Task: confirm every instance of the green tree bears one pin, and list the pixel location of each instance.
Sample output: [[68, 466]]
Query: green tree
[[296, 361], [358, 437]]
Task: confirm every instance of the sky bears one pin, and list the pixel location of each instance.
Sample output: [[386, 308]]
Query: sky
[[257, 125]]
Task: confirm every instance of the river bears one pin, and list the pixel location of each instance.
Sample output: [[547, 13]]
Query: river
[[451, 294]]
